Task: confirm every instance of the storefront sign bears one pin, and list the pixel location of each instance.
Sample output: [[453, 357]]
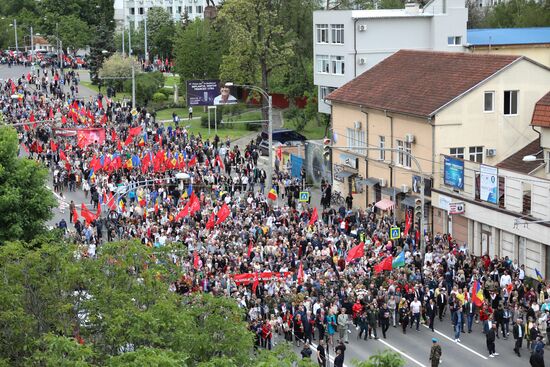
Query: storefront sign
[[454, 173], [456, 208], [488, 184], [348, 160]]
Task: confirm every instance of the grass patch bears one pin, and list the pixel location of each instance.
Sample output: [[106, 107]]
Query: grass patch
[[119, 95], [171, 80], [312, 130]]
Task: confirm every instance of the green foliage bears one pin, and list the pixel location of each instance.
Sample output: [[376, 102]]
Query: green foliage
[[519, 13], [282, 356], [198, 49], [25, 202], [73, 32], [160, 32], [387, 358], [103, 41], [147, 84], [150, 357], [118, 66], [159, 97], [53, 350]]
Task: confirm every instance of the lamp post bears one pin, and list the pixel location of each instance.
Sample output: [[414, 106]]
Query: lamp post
[[269, 128], [32, 47], [422, 181]]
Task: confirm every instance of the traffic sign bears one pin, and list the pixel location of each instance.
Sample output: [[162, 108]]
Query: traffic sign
[[395, 233], [134, 112], [304, 196]]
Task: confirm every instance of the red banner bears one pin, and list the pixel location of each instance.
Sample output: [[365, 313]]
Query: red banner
[[247, 278], [90, 136]]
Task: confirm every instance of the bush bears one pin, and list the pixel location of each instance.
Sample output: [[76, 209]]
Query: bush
[[166, 91], [159, 97]]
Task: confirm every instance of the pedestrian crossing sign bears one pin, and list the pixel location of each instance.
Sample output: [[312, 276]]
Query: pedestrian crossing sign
[[304, 196], [395, 233]]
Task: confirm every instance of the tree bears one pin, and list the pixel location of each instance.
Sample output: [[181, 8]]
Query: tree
[[147, 84], [103, 41], [73, 32], [150, 357], [25, 202], [54, 350], [198, 49], [118, 66], [386, 358], [258, 42], [519, 13], [160, 30]]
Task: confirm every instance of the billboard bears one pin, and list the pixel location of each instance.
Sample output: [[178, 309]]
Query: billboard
[[488, 184], [209, 92], [202, 92], [453, 173]]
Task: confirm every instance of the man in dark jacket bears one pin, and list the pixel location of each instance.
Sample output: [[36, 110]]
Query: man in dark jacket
[[491, 336], [518, 333], [431, 311], [536, 360]]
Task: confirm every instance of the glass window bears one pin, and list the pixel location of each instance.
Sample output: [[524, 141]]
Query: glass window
[[179, 9], [169, 9], [510, 102], [382, 145], [457, 152], [337, 33], [140, 11], [189, 9], [323, 64], [322, 33], [325, 91], [199, 9], [488, 101], [402, 158], [356, 139], [476, 154], [337, 65], [454, 40], [132, 11]]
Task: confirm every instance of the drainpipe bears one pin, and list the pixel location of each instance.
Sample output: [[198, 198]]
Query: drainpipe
[[535, 130], [355, 47], [431, 122], [367, 154]]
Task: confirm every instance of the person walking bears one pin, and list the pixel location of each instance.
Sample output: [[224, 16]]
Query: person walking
[[435, 353], [470, 310], [321, 356], [363, 323], [343, 322], [339, 359], [372, 316], [431, 311], [416, 306], [536, 360], [490, 336], [458, 318], [384, 316], [518, 334]]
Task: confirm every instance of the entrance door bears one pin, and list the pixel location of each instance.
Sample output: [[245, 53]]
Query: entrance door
[[377, 193]]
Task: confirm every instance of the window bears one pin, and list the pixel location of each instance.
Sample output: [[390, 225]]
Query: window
[[526, 189], [179, 9], [510, 102], [337, 33], [356, 138], [323, 64], [325, 91], [476, 154], [382, 145], [454, 41], [140, 11], [337, 65], [169, 9], [199, 9], [132, 11], [322, 33], [402, 158], [488, 101], [189, 9], [457, 152]]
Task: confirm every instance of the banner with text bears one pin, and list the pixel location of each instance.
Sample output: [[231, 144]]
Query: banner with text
[[488, 184], [202, 92]]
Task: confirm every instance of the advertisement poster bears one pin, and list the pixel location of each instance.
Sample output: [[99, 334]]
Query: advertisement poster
[[427, 185], [85, 137], [454, 173], [488, 184], [202, 92]]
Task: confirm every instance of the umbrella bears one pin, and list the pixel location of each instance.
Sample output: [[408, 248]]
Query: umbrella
[[385, 204]]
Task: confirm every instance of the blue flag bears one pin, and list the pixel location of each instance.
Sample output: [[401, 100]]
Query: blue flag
[[399, 261], [539, 275], [189, 189]]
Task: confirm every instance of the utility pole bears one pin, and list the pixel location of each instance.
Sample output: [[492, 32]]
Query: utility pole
[[145, 38], [32, 46], [16, 43]]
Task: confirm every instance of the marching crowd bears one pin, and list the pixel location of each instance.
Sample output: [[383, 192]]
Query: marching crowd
[[299, 274]]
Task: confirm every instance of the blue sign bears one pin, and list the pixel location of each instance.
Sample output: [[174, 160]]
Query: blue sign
[[453, 173], [202, 92], [395, 233], [304, 196], [296, 164]]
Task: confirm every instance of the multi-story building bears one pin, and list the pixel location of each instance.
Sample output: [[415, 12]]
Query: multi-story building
[[349, 42], [135, 11]]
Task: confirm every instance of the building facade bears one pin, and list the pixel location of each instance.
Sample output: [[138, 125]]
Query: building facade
[[348, 42]]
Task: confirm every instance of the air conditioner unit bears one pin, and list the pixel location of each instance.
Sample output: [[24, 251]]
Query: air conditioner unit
[[409, 138], [361, 61], [405, 188], [382, 182], [362, 27], [357, 125], [491, 152]]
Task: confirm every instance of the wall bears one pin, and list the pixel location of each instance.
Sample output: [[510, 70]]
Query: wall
[[538, 53], [464, 124]]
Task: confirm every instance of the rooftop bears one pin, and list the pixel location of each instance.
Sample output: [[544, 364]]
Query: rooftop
[[516, 163], [508, 36], [419, 83], [541, 113]]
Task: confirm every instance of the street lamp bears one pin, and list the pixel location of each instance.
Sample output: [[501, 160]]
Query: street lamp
[[531, 158], [269, 128]]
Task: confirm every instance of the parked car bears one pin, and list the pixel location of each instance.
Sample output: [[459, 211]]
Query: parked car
[[286, 137]]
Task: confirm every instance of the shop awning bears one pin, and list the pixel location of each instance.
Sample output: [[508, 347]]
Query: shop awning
[[369, 181], [344, 174]]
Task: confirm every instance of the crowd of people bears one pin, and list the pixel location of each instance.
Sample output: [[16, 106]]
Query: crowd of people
[[299, 275]]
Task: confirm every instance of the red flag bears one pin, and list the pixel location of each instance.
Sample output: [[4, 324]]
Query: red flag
[[250, 246], [114, 137], [223, 213], [408, 223], [196, 260], [63, 119], [300, 277], [111, 202], [75, 216], [51, 115], [279, 153], [32, 119], [128, 140], [134, 131], [220, 161], [385, 264], [212, 222], [192, 162], [62, 155], [194, 205], [314, 216], [99, 104], [53, 146], [95, 164], [256, 283], [119, 146], [184, 212], [356, 252], [98, 212], [86, 214]]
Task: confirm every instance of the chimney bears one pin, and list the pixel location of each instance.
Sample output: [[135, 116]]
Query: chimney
[[412, 8]]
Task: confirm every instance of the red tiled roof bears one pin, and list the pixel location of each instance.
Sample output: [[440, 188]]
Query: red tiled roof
[[515, 161], [541, 114], [419, 82]]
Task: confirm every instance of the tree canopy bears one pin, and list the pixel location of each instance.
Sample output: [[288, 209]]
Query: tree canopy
[[25, 202]]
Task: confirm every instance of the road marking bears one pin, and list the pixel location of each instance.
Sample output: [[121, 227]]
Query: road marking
[[331, 359], [459, 344], [402, 353]]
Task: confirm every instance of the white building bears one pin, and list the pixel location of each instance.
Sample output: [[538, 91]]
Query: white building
[[136, 10], [348, 42]]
